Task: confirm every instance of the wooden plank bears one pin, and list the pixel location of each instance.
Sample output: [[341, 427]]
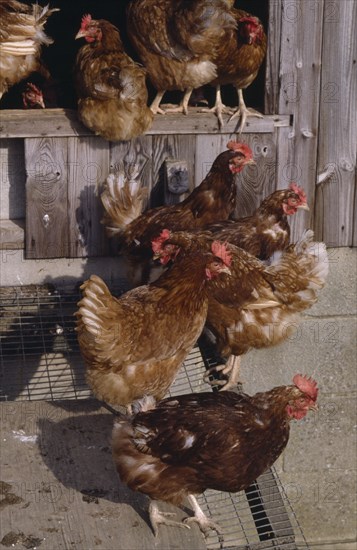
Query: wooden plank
[[272, 72], [12, 234], [336, 168], [179, 147], [46, 198], [298, 74], [12, 179], [64, 122], [88, 166]]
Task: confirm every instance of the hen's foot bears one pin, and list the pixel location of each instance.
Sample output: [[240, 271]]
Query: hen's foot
[[219, 111], [205, 524], [244, 113], [231, 370], [157, 518]]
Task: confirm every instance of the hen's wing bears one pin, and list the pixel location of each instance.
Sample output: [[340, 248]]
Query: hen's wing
[[176, 30], [179, 430]]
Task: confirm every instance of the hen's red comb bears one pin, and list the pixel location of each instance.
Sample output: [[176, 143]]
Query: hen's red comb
[[306, 385], [86, 20], [299, 191], [241, 148], [220, 250], [156, 244], [249, 19], [33, 88]]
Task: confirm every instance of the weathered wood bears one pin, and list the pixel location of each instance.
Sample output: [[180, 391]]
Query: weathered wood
[[298, 71], [46, 198], [258, 181], [88, 166], [12, 234], [272, 71], [12, 178], [180, 147], [336, 162], [64, 122]]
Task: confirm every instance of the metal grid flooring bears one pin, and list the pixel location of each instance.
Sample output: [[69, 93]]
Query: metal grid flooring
[[40, 360]]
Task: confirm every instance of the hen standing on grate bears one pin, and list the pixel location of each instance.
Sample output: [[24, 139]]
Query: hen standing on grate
[[134, 345], [260, 303], [190, 443]]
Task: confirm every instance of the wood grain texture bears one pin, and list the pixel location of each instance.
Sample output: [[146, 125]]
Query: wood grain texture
[[47, 230], [336, 162], [64, 122], [88, 164], [299, 72], [12, 179], [179, 147]]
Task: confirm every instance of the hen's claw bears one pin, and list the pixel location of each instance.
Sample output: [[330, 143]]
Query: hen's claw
[[157, 518], [205, 524]]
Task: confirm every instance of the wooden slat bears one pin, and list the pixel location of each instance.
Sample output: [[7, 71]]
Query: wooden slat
[[271, 99], [179, 147], [64, 122], [12, 178], [298, 73], [336, 164], [88, 166], [46, 198]]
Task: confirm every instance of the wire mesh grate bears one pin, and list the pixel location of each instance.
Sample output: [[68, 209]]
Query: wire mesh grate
[[40, 360]]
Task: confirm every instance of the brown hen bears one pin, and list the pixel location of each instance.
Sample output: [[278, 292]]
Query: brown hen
[[238, 61], [134, 345], [268, 229], [259, 304], [21, 39], [111, 87], [177, 42], [213, 200], [190, 443]]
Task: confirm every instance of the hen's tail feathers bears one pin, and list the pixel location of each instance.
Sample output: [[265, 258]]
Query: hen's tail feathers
[[305, 267], [25, 34], [123, 199], [41, 14], [95, 296]]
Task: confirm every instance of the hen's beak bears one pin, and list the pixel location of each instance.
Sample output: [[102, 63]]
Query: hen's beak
[[80, 34], [225, 269], [250, 161], [41, 103], [303, 207], [314, 407]]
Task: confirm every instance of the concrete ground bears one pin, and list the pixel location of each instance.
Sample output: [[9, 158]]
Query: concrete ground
[[317, 470]]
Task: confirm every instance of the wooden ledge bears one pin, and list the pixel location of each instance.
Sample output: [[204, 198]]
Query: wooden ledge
[[65, 123]]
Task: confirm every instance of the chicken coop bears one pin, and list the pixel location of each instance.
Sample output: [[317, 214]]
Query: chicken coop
[[58, 484]]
